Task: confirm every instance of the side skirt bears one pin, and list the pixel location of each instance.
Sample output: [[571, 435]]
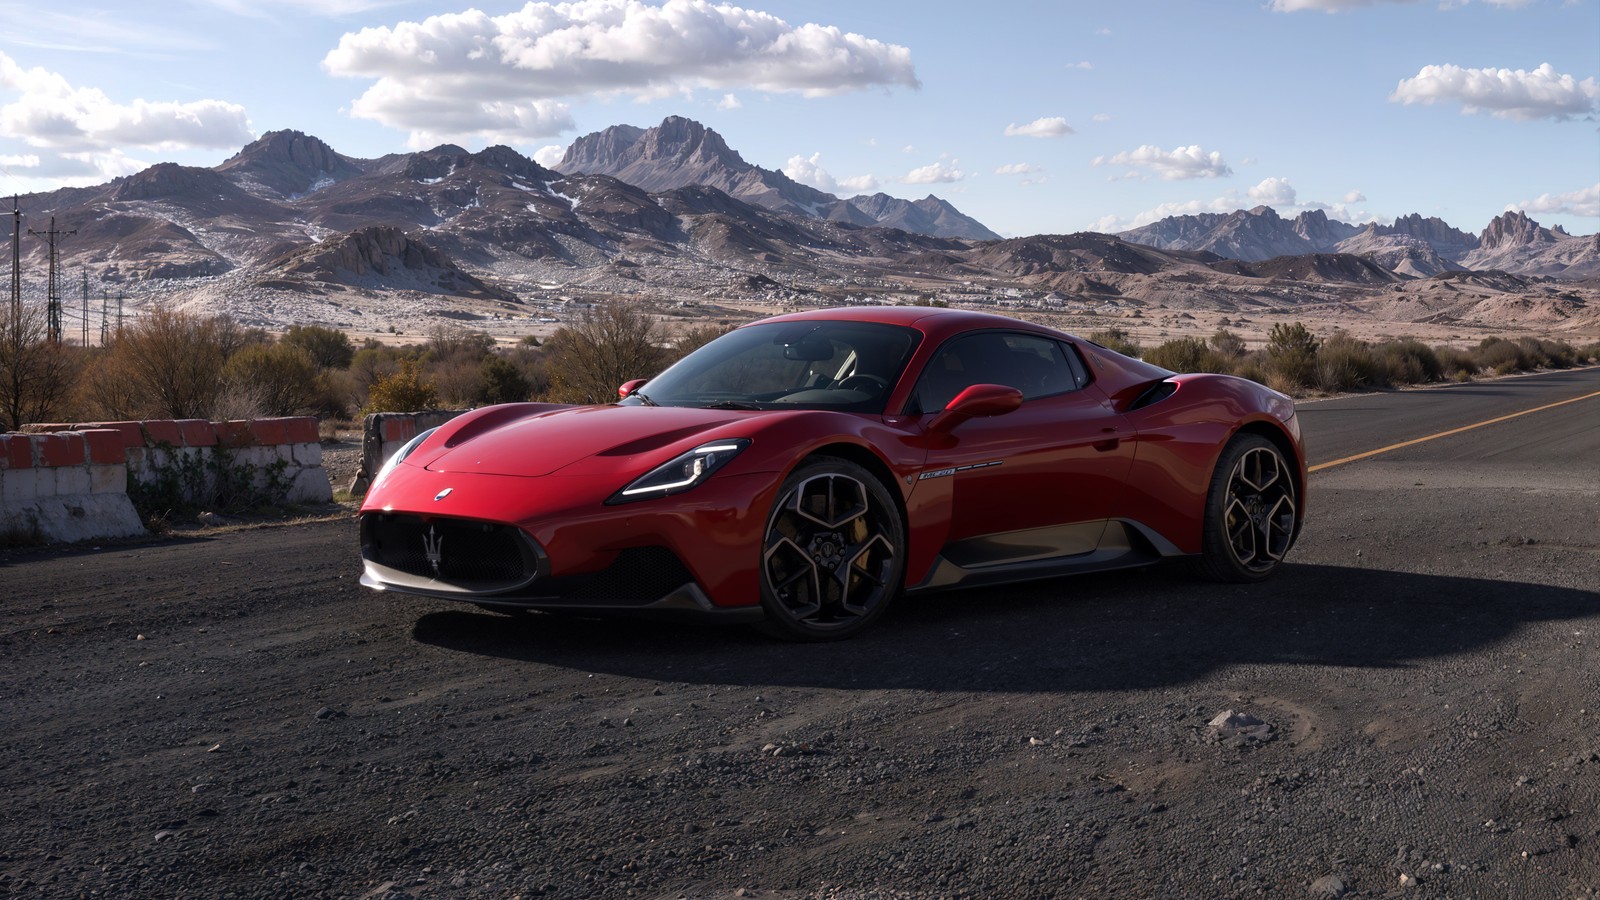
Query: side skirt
[[1124, 545]]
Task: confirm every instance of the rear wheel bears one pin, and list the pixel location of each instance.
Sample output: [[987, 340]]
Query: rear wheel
[[833, 557], [1251, 512]]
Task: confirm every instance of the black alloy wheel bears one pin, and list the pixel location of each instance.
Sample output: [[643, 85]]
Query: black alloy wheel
[[1251, 512]]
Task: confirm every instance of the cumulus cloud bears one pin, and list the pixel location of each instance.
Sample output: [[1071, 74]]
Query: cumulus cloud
[[1542, 93], [729, 101], [1178, 164], [1274, 192], [808, 170], [1049, 127], [1355, 197], [331, 8], [1018, 169], [549, 155], [45, 110], [473, 75], [936, 173], [1582, 202]]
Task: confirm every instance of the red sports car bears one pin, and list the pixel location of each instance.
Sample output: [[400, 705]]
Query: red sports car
[[805, 470]]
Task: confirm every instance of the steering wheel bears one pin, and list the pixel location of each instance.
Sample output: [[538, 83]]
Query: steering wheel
[[867, 384]]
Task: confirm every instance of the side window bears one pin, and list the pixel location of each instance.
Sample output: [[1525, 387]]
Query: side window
[[1036, 366], [1080, 371]]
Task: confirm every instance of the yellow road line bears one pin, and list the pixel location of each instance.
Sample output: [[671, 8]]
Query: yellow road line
[[1433, 437]]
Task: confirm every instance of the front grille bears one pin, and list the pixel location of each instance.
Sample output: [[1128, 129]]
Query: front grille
[[638, 575], [452, 555]]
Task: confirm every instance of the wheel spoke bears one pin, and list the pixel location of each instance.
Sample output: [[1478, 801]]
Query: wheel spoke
[[829, 558], [1259, 512]]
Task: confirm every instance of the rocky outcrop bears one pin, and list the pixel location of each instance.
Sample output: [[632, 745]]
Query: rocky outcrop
[[382, 256], [1512, 242], [682, 152], [1322, 232]]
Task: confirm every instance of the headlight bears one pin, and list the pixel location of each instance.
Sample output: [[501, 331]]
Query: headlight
[[683, 473], [404, 451]]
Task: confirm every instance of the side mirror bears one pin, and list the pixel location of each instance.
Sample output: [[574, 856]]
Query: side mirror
[[629, 387], [978, 401]]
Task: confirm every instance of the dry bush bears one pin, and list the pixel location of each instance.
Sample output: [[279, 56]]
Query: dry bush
[[38, 378], [330, 348], [1407, 362], [693, 338], [1187, 355], [1501, 356], [1117, 341], [404, 391], [167, 365], [1456, 364], [1291, 356], [283, 378], [1228, 344], [1344, 363], [610, 343]]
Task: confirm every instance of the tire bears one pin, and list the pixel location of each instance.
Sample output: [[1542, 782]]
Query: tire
[[1251, 512], [833, 553]]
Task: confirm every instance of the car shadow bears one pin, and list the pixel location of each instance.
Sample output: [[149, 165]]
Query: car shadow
[[1119, 631]]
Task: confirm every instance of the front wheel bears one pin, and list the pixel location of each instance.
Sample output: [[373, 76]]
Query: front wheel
[[833, 556], [1251, 512]]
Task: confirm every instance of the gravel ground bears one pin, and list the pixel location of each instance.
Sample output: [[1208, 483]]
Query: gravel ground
[[1414, 712]]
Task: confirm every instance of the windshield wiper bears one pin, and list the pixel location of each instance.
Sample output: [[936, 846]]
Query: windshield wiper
[[644, 399], [731, 404]]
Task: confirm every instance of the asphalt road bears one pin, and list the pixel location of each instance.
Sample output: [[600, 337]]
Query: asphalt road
[[234, 716]]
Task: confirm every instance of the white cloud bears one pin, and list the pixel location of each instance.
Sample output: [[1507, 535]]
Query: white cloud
[[1053, 126], [729, 101], [473, 75], [49, 112], [909, 148], [936, 173], [1082, 64], [1103, 32], [1018, 169], [1102, 117], [1355, 197], [1178, 164], [1582, 202], [1330, 6], [24, 161], [808, 170], [1274, 192], [549, 155], [1542, 93]]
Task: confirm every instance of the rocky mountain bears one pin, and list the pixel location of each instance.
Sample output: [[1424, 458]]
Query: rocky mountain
[[285, 164], [1322, 232], [1401, 253], [682, 152], [1512, 242]]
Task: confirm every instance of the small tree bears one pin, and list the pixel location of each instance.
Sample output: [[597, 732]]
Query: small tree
[[329, 348], [1291, 354], [1228, 344], [502, 382], [282, 377]]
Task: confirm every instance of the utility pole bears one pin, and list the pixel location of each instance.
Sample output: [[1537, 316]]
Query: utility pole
[[120, 295], [16, 260], [105, 314], [52, 293], [83, 326]]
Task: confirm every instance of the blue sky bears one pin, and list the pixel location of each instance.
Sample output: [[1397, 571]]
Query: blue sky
[[1033, 117]]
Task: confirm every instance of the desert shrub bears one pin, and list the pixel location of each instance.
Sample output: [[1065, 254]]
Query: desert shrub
[[610, 343], [1186, 355], [1407, 362], [406, 390], [1251, 367], [1548, 354], [1590, 353], [1228, 344], [1456, 364], [1501, 356], [1291, 357], [1344, 363], [448, 342], [283, 378], [329, 348], [1117, 340]]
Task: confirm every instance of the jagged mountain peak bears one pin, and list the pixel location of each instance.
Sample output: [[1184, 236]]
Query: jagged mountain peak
[[1513, 228], [286, 163]]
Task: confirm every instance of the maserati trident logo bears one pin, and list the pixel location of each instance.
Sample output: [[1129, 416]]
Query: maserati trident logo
[[432, 548], [442, 494]]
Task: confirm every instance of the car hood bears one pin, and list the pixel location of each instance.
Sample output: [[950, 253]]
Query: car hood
[[617, 438]]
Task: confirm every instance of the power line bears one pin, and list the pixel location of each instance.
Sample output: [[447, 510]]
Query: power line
[[52, 293]]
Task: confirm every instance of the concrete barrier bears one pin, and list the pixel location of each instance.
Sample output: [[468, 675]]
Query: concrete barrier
[[64, 482], [67, 486], [384, 433]]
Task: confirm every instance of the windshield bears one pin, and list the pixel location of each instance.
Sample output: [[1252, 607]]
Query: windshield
[[847, 366]]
